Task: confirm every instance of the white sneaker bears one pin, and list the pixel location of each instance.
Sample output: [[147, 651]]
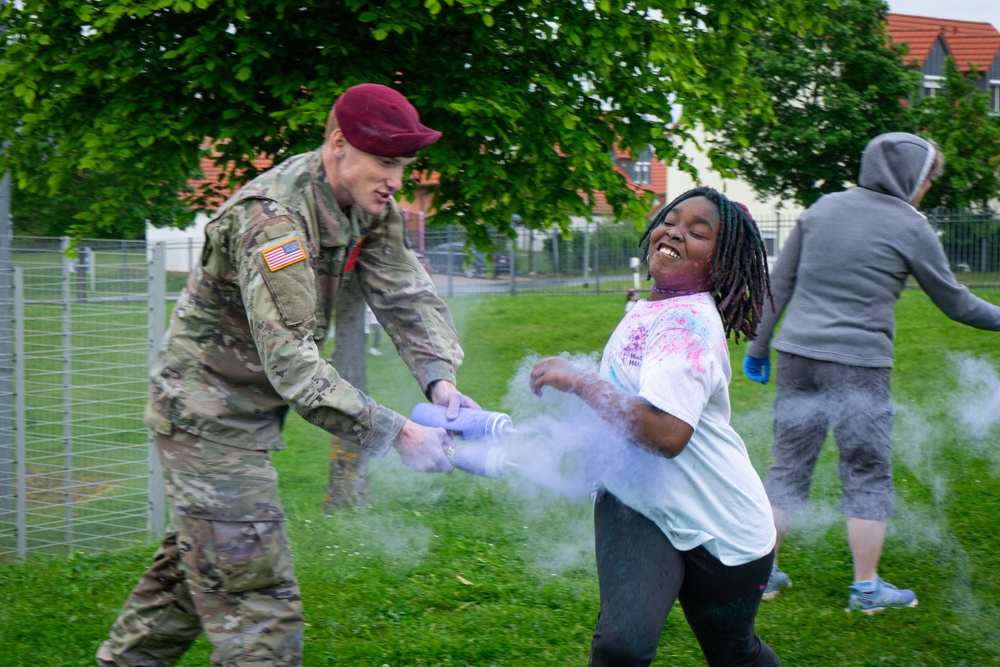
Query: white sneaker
[[374, 352]]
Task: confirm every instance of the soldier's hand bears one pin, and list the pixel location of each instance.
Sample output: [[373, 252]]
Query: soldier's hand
[[422, 448], [445, 393]]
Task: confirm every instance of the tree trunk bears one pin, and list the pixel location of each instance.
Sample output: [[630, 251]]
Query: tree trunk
[[349, 470]]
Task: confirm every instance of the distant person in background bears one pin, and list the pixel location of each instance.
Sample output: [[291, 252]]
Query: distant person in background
[[630, 298], [681, 514], [372, 326], [837, 282]]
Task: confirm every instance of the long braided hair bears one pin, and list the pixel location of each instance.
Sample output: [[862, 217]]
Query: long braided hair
[[739, 280]]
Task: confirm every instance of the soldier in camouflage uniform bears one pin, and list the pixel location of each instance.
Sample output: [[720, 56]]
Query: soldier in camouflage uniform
[[244, 346]]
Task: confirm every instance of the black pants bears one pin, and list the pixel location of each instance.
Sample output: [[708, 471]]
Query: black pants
[[641, 574]]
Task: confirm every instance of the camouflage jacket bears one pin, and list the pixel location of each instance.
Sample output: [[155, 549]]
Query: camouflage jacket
[[244, 339]]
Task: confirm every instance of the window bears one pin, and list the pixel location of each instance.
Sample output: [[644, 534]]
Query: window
[[931, 85], [994, 95], [641, 175], [638, 169]]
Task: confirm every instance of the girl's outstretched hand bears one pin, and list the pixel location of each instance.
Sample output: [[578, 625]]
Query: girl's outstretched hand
[[554, 372], [645, 425]]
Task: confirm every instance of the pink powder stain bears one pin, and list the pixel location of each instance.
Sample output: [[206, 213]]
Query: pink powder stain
[[632, 353], [687, 344], [684, 341]]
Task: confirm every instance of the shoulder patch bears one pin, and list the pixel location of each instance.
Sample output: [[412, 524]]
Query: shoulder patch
[[284, 254]]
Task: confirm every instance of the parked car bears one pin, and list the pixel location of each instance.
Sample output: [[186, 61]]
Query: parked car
[[501, 265], [424, 262], [457, 259]]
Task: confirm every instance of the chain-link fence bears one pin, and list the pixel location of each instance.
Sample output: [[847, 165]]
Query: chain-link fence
[[77, 334], [591, 259], [74, 465], [972, 243], [603, 257]]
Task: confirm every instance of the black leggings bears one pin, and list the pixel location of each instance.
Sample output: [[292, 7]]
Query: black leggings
[[641, 574]]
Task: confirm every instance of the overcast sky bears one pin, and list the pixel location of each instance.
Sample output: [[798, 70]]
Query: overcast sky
[[987, 11]]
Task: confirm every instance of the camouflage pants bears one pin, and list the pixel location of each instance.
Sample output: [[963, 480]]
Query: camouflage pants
[[224, 567]]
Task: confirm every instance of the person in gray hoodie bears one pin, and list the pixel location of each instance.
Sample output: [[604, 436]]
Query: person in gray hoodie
[[837, 282]]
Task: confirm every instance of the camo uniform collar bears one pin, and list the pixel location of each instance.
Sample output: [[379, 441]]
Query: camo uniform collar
[[335, 228]]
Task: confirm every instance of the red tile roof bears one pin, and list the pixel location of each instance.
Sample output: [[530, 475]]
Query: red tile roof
[[213, 174], [657, 183], [920, 42], [980, 50], [975, 41], [601, 205], [947, 26], [211, 181]]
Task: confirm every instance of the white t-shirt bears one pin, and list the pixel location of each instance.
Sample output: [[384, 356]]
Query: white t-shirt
[[673, 353]]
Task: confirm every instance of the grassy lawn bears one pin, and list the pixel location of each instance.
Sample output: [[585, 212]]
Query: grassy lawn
[[458, 570]]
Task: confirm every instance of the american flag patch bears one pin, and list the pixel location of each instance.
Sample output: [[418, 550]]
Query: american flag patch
[[282, 255]]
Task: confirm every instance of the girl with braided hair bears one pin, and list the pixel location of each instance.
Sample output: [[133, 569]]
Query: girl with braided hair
[[679, 512]]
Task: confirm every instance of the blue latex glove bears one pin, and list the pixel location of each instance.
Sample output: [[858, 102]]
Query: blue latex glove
[[758, 370]]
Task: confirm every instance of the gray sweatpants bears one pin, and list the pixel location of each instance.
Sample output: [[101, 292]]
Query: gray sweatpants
[[813, 397]]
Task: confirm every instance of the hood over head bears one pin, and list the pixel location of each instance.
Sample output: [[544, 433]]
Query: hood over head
[[897, 164]]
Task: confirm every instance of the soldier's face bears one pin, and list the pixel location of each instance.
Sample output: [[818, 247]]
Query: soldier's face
[[361, 178]]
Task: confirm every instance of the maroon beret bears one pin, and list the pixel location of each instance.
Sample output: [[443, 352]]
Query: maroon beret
[[378, 120]]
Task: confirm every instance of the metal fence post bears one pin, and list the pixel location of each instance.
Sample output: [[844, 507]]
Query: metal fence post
[[556, 235], [447, 265], [512, 245], [125, 287], [777, 236], [66, 340], [156, 328], [531, 253], [80, 270], [21, 509], [6, 354], [515, 220], [597, 257]]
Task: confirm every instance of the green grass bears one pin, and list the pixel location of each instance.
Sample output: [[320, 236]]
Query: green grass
[[457, 570]]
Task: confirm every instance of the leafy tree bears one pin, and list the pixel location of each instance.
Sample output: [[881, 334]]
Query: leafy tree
[[48, 213], [831, 94], [959, 119], [532, 94]]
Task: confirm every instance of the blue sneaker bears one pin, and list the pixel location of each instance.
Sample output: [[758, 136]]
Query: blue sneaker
[[884, 596], [777, 582]]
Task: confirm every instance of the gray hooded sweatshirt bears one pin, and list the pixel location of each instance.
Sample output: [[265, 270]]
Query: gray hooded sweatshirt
[[845, 264]]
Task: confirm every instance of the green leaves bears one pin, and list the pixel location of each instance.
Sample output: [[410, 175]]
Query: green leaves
[[830, 93], [960, 120], [531, 96], [26, 93]]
